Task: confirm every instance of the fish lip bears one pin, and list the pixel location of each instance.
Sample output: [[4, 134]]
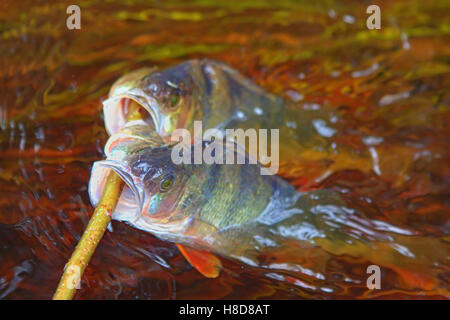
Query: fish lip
[[123, 171], [111, 105]]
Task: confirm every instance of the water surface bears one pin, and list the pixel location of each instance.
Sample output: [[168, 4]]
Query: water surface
[[388, 90]]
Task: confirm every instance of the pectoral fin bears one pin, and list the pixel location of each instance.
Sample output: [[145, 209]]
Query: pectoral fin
[[205, 262]]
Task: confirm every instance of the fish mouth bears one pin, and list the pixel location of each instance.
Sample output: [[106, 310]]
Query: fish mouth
[[115, 110], [129, 205]]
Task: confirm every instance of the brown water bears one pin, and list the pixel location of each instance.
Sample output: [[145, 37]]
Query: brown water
[[388, 87]]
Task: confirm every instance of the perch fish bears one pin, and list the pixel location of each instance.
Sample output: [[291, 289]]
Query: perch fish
[[233, 211], [219, 96]]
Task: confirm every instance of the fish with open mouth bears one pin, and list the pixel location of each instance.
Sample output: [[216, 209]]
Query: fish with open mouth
[[232, 210], [219, 96]]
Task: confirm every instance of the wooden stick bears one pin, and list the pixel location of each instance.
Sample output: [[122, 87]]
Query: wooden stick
[[80, 258]]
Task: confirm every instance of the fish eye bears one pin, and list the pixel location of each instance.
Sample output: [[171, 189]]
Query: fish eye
[[166, 183], [174, 99]]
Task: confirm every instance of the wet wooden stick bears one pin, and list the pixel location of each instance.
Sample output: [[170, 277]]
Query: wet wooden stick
[[80, 258]]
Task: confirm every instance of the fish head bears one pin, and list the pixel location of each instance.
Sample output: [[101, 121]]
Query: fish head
[[162, 182], [172, 97], [154, 186]]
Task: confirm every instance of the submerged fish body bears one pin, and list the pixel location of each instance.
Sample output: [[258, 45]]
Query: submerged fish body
[[201, 201], [219, 96], [204, 90], [234, 211]]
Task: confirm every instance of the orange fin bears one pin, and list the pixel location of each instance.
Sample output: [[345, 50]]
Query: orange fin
[[206, 263]]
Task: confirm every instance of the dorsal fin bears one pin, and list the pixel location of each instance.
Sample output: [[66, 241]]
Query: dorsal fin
[[205, 262]]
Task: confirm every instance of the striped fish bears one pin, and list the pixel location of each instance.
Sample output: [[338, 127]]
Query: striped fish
[[219, 96], [232, 210], [198, 205]]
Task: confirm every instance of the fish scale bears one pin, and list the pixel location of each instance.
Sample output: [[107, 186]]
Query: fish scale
[[230, 202]]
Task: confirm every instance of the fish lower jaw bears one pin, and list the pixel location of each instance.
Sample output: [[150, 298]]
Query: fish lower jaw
[[166, 231]]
